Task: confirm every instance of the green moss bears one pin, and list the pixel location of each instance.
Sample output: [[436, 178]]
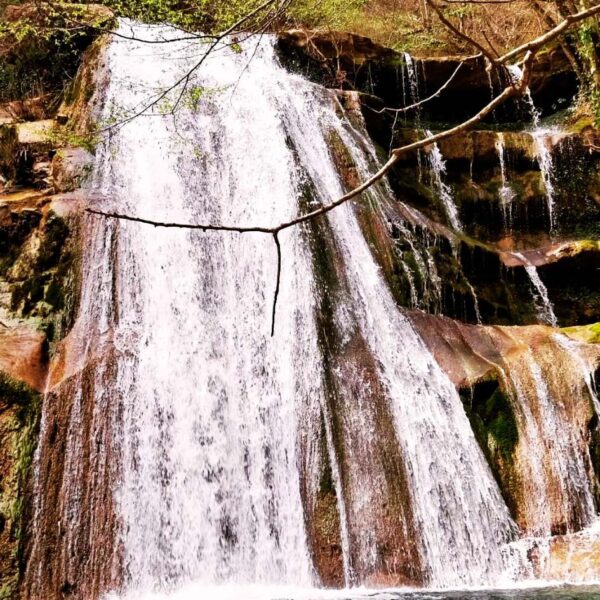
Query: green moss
[[55, 236], [54, 295], [584, 333], [13, 392], [492, 418], [26, 406], [582, 123]]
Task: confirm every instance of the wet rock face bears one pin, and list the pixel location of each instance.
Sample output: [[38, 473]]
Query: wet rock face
[[37, 279], [78, 492], [350, 61], [495, 370], [23, 363], [37, 264], [503, 207], [70, 168]]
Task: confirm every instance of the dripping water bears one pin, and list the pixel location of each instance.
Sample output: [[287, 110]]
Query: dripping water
[[542, 301], [507, 194], [437, 166], [541, 137]]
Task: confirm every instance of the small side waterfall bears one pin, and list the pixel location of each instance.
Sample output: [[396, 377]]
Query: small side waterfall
[[437, 166], [544, 156], [507, 194], [541, 136], [543, 304], [552, 450]]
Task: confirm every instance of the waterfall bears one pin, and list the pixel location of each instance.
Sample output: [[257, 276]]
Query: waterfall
[[540, 135], [552, 448], [212, 422], [507, 194], [542, 301], [541, 138], [437, 166], [194, 448], [439, 419], [413, 78]]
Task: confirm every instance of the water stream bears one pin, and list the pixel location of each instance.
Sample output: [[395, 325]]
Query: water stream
[[437, 166], [210, 487], [542, 301], [507, 194], [541, 136], [217, 431]]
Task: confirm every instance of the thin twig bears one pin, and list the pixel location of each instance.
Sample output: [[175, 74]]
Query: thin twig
[[421, 102], [540, 41], [278, 280], [458, 32]]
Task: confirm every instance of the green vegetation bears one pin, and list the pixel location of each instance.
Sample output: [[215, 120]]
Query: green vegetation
[[25, 406], [492, 418], [587, 46], [40, 50], [584, 333]]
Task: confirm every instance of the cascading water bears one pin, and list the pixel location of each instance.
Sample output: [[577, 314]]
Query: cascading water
[[542, 301], [541, 136], [507, 194], [557, 465], [438, 169], [217, 431], [412, 78], [209, 484]]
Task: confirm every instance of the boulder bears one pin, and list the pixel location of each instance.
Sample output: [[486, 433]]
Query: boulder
[[70, 168]]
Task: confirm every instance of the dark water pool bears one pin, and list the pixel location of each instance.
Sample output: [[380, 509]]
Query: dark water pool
[[550, 593]]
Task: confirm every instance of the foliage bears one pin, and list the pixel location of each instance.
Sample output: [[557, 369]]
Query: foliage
[[40, 53], [587, 45], [208, 16]]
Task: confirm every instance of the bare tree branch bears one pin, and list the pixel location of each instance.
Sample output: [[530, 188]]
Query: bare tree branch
[[540, 41], [424, 101], [459, 33], [277, 283]]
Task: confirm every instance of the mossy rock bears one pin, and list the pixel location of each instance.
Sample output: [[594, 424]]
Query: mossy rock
[[19, 423], [490, 411], [584, 333]]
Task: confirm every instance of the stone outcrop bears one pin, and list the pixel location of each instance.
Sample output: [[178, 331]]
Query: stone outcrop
[[490, 366], [39, 275], [350, 61]]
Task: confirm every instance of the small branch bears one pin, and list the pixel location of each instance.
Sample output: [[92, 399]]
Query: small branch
[[421, 102], [278, 245], [457, 32], [486, 110], [206, 227], [538, 42]]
